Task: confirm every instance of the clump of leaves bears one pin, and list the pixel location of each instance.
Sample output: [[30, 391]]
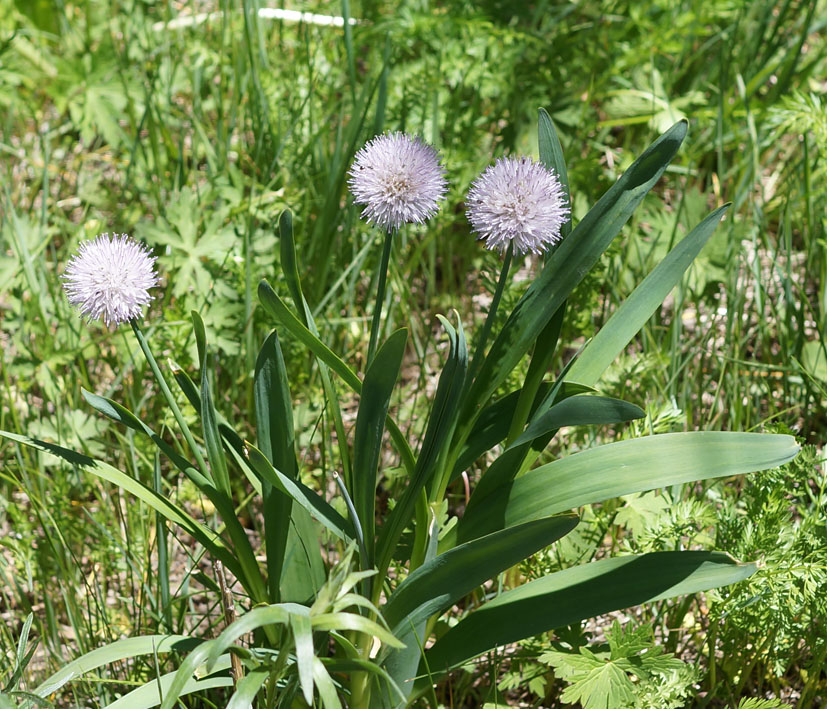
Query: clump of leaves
[[628, 670]]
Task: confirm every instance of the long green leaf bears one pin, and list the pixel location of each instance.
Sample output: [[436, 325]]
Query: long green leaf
[[276, 307], [317, 507], [115, 652], [303, 639], [441, 423], [491, 426], [551, 155], [290, 269], [579, 593], [248, 688], [438, 584], [274, 432], [327, 688], [251, 577], [203, 534], [632, 315], [276, 614], [294, 565], [124, 416], [377, 388], [212, 438], [151, 693], [570, 262], [402, 663], [622, 468], [580, 411]]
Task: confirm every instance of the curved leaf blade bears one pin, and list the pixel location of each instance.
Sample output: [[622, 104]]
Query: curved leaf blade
[[151, 693], [622, 468], [580, 411], [632, 315], [439, 583], [114, 652], [583, 592]]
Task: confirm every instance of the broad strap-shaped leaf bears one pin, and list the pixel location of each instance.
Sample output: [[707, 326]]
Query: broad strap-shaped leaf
[[491, 426], [203, 534], [580, 411], [622, 468], [377, 388], [582, 592], [632, 315], [441, 423], [295, 569], [569, 263], [438, 584], [115, 652]]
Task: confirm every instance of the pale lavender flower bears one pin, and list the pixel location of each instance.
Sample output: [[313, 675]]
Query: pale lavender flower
[[108, 278], [398, 179], [517, 201]]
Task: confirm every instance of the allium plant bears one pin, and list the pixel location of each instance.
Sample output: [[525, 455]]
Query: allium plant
[[308, 645], [399, 180]]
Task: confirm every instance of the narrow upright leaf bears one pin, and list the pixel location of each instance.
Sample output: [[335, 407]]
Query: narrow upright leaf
[[632, 315], [377, 388]]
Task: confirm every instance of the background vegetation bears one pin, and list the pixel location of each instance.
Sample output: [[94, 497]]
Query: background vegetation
[[195, 138]]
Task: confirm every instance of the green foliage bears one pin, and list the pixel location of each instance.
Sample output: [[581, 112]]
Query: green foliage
[[631, 671], [196, 138]]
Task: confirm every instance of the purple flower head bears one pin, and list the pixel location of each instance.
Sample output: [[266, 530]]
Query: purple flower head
[[517, 201], [108, 278], [398, 179]]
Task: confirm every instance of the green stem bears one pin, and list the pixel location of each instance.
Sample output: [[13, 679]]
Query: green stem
[[179, 417], [380, 296], [489, 319]]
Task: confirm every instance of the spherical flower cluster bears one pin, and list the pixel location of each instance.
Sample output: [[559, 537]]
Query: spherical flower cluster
[[109, 278], [519, 202], [398, 179]]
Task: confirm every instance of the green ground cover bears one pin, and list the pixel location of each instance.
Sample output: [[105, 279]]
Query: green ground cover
[[196, 137]]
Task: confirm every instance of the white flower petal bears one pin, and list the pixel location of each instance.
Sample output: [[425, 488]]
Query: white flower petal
[[109, 278], [517, 201], [398, 179]]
